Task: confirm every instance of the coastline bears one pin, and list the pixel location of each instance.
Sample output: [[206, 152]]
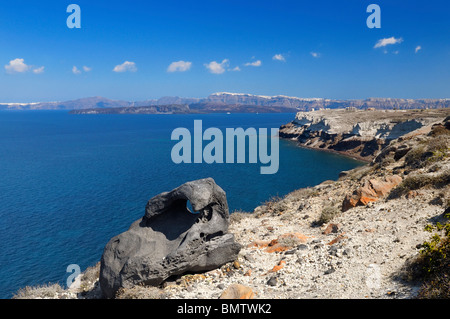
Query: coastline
[[342, 153], [325, 241]]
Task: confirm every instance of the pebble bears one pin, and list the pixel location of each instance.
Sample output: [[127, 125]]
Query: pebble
[[329, 271], [272, 281]]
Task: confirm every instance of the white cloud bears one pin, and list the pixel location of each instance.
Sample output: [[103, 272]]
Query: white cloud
[[279, 57], [17, 66], [75, 70], [179, 66], [126, 66], [236, 69], [38, 70], [315, 54], [217, 68], [386, 41], [418, 48], [256, 63]]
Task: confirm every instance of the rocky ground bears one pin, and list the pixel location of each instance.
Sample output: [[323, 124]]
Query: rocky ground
[[350, 238]]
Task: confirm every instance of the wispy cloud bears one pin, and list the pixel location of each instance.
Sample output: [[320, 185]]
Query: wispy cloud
[[217, 68], [418, 48], [39, 70], [75, 70], [255, 63], [127, 66], [235, 69], [279, 57], [179, 66], [315, 54], [387, 41]]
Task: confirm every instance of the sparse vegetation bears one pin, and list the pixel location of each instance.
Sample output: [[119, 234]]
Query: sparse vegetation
[[289, 241], [328, 213], [302, 193], [433, 264], [46, 291], [428, 152], [439, 130], [276, 205], [418, 181], [238, 215], [357, 173], [140, 292]]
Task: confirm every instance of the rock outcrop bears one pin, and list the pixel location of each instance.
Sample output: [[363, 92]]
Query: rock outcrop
[[371, 191], [171, 240], [357, 133]]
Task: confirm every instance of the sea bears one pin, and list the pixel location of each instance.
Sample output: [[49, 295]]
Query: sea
[[69, 183]]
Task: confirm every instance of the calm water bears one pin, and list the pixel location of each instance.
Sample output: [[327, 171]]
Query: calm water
[[68, 183]]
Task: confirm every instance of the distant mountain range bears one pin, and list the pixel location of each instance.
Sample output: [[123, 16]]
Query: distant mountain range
[[225, 102]]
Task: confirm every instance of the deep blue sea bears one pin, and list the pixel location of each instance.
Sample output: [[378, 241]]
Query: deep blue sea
[[69, 183]]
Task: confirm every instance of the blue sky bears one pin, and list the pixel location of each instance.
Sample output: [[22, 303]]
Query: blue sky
[[127, 49]]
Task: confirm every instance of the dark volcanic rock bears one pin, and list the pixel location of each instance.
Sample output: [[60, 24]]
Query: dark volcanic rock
[[170, 240]]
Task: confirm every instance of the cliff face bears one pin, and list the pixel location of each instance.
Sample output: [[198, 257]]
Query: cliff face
[[308, 104], [357, 133]]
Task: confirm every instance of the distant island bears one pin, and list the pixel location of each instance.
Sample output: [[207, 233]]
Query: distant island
[[196, 108], [224, 102]]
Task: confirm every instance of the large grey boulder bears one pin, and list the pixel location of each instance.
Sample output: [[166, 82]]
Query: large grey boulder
[[170, 239]]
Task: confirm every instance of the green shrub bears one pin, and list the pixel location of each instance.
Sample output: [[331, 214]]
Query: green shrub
[[434, 263]]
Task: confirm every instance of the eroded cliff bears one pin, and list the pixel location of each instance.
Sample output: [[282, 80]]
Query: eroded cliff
[[357, 133]]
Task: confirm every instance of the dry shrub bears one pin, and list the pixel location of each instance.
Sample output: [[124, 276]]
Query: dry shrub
[[414, 182], [46, 291]]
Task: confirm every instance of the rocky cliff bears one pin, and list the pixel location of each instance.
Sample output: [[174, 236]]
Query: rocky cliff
[[357, 133], [380, 231], [308, 104]]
